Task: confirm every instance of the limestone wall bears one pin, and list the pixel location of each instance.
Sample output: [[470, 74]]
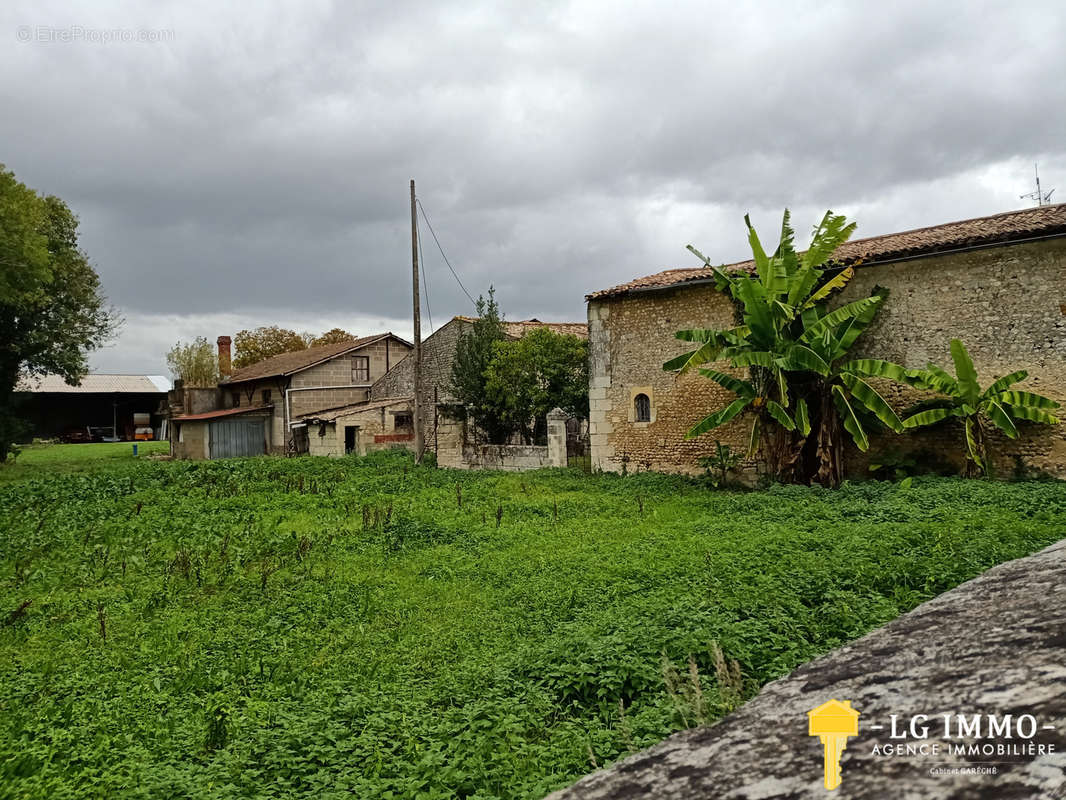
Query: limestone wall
[[438, 353], [1007, 304]]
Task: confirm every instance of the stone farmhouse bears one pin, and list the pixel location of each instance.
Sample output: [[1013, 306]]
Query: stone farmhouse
[[253, 409], [392, 395], [998, 283]]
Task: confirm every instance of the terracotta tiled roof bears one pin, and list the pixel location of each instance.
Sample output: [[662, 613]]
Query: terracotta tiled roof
[[520, 328], [288, 363], [330, 414], [222, 412], [996, 229]]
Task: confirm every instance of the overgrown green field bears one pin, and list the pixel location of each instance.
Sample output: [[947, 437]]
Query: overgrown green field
[[34, 460], [344, 628]]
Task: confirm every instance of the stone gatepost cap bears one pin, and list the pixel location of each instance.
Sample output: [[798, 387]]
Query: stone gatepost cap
[[558, 413]]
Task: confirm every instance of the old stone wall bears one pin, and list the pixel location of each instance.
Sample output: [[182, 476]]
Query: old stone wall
[[630, 339], [510, 457], [438, 353], [377, 431], [1007, 304]]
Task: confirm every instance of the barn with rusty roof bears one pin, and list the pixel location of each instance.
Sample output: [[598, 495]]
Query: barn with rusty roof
[[997, 282]]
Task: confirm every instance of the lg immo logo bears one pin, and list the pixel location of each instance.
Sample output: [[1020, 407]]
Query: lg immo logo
[[833, 722], [950, 736]]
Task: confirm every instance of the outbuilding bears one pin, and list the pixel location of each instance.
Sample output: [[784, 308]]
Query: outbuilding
[[360, 428], [102, 407]]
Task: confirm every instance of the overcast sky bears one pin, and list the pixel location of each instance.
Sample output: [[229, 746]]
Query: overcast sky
[[250, 165]]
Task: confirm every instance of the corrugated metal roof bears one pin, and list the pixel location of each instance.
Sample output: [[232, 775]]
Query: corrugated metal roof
[[223, 412], [96, 384], [996, 229]]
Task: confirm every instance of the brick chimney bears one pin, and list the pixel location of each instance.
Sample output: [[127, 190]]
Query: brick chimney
[[225, 362]]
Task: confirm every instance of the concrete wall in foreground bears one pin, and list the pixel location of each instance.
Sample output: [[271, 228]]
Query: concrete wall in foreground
[[992, 646]]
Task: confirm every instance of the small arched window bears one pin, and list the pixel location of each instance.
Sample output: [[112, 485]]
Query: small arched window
[[641, 408]]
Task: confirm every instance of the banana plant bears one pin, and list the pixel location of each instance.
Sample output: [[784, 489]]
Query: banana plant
[[980, 410], [786, 330]]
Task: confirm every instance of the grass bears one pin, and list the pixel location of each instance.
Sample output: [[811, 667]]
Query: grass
[[344, 627], [40, 459]]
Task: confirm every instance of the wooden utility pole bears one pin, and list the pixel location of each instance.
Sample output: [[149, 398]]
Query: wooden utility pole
[[419, 444]]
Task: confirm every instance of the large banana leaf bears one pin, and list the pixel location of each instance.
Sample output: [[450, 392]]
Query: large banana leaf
[[930, 416], [724, 278], [834, 285], [690, 361], [857, 326], [786, 248], [1033, 415], [1007, 380], [756, 358], [933, 377], [803, 421], [829, 234], [762, 262], [971, 444], [873, 401], [842, 314], [779, 414], [965, 373], [876, 368], [757, 314], [799, 359], [1001, 418], [801, 283], [753, 438], [738, 387], [851, 422], [1026, 399], [712, 421]]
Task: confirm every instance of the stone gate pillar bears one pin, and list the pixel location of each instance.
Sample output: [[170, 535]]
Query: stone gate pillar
[[557, 437]]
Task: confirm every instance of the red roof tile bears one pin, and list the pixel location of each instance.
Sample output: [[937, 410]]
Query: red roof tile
[[996, 229], [288, 363], [520, 328], [222, 412]]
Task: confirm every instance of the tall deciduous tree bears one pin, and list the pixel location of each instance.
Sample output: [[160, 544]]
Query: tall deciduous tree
[[255, 345], [332, 336], [529, 377], [195, 363], [473, 353], [52, 312]]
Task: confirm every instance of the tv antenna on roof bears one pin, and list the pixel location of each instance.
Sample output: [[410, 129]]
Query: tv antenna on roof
[[1042, 198]]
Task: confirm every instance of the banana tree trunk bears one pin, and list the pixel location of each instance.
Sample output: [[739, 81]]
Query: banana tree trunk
[[830, 444]]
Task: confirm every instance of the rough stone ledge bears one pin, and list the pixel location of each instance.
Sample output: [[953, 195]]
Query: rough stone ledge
[[994, 645]]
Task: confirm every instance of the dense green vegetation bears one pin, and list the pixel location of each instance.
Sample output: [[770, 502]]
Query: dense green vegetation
[[338, 628]]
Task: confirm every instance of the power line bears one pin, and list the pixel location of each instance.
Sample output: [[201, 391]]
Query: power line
[[446, 261], [425, 283]]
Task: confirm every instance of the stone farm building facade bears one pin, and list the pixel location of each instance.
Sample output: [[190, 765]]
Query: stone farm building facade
[[998, 283], [258, 408], [446, 437]]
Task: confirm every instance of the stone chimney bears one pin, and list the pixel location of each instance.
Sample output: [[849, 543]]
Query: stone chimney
[[225, 361]]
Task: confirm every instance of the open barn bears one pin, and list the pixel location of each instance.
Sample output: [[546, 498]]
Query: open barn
[[100, 408]]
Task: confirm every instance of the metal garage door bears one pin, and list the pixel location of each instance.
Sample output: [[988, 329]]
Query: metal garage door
[[236, 437]]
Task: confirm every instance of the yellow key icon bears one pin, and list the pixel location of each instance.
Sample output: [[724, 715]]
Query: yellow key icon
[[833, 722]]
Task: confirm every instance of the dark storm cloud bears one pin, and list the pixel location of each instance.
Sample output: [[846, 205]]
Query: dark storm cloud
[[254, 166]]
